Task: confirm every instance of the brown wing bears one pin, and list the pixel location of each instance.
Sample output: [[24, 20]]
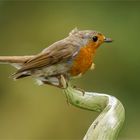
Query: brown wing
[[52, 55]]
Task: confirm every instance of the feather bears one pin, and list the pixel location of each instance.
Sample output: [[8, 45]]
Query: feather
[[45, 59]]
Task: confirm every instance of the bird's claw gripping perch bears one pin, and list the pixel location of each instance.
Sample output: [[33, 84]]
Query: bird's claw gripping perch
[[79, 89]]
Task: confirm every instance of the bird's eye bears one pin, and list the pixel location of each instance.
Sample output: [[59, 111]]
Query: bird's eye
[[95, 38]]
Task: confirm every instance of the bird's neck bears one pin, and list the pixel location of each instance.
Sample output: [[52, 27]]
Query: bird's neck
[[91, 47]]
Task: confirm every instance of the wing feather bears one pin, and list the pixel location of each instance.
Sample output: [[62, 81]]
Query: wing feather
[[50, 57]]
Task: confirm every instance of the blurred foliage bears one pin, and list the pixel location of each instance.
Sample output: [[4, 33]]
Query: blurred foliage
[[28, 111]]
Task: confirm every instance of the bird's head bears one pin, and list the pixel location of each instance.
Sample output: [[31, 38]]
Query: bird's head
[[93, 38]]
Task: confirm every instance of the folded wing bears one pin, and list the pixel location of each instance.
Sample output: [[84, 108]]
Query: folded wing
[[51, 56]]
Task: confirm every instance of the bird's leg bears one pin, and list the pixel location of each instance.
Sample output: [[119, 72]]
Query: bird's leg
[[64, 83]]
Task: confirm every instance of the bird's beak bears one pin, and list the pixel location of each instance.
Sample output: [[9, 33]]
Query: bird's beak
[[108, 40]]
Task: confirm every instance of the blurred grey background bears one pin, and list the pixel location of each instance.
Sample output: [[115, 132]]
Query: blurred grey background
[[29, 111]]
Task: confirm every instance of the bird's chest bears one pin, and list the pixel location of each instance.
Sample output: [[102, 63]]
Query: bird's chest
[[82, 62]]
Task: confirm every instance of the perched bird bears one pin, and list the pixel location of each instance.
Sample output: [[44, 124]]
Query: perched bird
[[58, 63]]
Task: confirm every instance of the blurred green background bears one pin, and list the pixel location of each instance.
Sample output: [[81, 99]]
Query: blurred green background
[[29, 111]]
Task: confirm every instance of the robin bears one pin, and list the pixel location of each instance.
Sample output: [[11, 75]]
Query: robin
[[61, 61]]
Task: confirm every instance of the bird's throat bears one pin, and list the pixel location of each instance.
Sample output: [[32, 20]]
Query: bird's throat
[[90, 46]]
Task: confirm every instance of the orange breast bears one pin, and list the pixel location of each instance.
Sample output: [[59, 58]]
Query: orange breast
[[82, 62]]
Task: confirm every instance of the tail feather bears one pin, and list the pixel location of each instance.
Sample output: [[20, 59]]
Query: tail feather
[[14, 59], [20, 75], [17, 62]]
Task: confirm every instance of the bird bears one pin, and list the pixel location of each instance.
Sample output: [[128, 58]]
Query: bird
[[57, 64]]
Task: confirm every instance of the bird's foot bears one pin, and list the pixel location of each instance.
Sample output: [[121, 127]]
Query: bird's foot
[[80, 89]]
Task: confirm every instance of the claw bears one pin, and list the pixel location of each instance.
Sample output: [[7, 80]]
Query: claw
[[81, 90]]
